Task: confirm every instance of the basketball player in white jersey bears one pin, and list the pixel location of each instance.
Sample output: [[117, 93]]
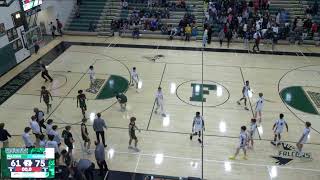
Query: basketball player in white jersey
[[251, 133], [304, 138], [259, 106], [92, 78], [245, 93], [135, 78], [159, 102], [197, 126], [278, 129], [242, 144]]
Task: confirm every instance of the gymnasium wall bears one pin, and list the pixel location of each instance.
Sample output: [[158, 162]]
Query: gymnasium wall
[[55, 9], [10, 55]]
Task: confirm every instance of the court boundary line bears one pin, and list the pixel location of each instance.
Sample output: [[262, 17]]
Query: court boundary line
[[154, 103], [242, 51], [286, 105]]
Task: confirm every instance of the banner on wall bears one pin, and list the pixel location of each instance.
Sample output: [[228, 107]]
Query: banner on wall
[[17, 45], [12, 34], [32, 36]]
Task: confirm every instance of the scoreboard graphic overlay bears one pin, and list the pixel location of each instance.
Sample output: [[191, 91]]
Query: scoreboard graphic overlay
[[27, 163]]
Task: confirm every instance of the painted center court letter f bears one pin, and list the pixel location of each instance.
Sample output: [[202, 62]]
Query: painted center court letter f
[[198, 91]]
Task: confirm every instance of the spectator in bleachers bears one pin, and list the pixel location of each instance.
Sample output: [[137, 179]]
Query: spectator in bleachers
[[257, 38], [77, 11], [187, 32], [124, 4], [307, 24], [154, 24], [209, 34], [164, 29], [229, 37], [246, 37], [194, 31], [315, 7], [314, 28], [135, 32], [308, 10], [221, 36], [181, 4], [204, 37], [173, 32], [91, 27]]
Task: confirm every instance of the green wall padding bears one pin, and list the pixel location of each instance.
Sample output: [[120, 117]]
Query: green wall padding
[[7, 59]]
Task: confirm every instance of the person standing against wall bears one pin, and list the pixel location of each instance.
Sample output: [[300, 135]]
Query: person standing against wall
[[36, 47], [59, 26], [53, 29]]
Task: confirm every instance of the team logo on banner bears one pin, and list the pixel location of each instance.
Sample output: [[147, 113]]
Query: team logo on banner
[[288, 153]]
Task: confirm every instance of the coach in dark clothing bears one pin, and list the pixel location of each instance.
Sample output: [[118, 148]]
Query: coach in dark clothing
[[98, 125], [4, 135]]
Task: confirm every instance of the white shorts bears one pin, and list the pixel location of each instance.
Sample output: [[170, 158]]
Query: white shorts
[[250, 137], [280, 131], [242, 146], [159, 102], [304, 141], [258, 109], [197, 129], [135, 80]]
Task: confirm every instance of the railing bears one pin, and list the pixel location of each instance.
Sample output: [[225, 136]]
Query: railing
[[6, 3]]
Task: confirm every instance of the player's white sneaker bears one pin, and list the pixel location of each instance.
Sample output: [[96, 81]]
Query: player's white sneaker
[[130, 147]]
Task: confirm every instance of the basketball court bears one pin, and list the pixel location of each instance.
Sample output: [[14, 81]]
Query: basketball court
[[290, 84]]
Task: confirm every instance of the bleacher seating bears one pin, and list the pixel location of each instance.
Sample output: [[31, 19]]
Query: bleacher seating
[[193, 6], [90, 12]]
